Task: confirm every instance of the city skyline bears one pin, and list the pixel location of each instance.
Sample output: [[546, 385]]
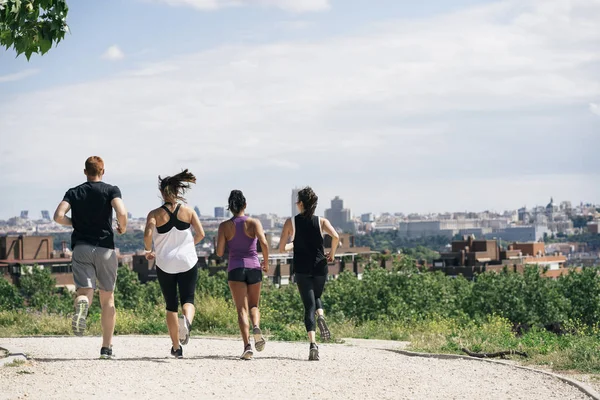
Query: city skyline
[[405, 106], [35, 214]]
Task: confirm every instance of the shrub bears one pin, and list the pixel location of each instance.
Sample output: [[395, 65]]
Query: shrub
[[10, 298]]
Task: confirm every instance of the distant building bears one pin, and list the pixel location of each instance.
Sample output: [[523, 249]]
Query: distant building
[[469, 257], [551, 210], [445, 227], [294, 208], [524, 215], [267, 221], [197, 211], [46, 215], [366, 218], [129, 215], [340, 217], [24, 214], [219, 212], [527, 233], [19, 253]]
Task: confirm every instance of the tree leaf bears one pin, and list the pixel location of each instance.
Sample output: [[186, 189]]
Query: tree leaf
[[45, 45]]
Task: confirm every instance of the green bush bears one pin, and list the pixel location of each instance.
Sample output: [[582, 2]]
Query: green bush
[[129, 292], [405, 295], [10, 298], [38, 287], [583, 291]]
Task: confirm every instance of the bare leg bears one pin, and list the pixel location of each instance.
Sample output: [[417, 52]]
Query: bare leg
[[253, 300], [85, 292], [189, 311], [173, 326], [239, 292], [109, 317]]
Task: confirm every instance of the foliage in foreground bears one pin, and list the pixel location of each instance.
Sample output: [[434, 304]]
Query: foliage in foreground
[[32, 26]]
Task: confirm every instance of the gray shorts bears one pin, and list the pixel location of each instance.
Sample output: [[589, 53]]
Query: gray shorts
[[92, 263]]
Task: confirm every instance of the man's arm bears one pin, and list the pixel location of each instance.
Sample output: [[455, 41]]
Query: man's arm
[[60, 214], [119, 207]]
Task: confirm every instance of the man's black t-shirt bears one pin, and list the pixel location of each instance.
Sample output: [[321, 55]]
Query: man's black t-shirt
[[91, 213]]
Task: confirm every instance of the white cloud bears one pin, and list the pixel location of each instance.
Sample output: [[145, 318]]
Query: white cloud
[[297, 6], [18, 75], [493, 93], [113, 53], [595, 108]]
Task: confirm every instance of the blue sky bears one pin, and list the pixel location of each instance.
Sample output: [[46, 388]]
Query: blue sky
[[393, 105]]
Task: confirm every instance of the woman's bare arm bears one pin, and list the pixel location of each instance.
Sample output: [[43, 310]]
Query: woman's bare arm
[[221, 240], [148, 231], [286, 233], [198, 229], [335, 238]]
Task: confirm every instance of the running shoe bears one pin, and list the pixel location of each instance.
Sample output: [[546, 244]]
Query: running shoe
[[247, 355], [79, 318], [313, 353], [184, 329], [325, 334], [259, 340], [177, 353], [106, 353]]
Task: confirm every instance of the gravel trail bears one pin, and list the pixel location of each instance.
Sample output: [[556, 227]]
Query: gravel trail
[[68, 367]]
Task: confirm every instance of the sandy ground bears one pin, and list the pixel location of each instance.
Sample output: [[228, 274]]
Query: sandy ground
[[68, 367]]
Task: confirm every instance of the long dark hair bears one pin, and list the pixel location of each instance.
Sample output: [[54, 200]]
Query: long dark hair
[[309, 200], [175, 186], [236, 202]]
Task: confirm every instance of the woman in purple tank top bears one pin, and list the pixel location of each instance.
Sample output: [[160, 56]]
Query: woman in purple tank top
[[244, 270]]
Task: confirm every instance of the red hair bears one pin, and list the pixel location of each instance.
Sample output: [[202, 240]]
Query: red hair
[[94, 166]]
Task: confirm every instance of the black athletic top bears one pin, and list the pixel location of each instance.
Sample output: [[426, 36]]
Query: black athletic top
[[309, 255], [174, 222], [91, 213]]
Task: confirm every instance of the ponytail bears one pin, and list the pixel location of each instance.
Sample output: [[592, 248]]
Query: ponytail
[[175, 186], [236, 202], [309, 200]]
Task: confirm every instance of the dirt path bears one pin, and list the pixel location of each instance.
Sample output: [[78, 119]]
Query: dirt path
[[68, 367]]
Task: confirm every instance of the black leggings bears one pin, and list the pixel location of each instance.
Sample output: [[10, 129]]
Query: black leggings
[[311, 288], [186, 281]]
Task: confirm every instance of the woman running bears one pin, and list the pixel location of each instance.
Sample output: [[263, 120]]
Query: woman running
[[176, 259], [244, 270], [310, 262]]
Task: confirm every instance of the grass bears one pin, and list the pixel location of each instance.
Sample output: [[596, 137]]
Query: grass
[[578, 351], [16, 363]]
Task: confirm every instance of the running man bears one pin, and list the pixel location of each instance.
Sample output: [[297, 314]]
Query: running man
[[244, 270], [92, 241], [169, 226], [310, 262]]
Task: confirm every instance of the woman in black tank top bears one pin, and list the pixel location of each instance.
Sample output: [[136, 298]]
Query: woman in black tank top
[[310, 262]]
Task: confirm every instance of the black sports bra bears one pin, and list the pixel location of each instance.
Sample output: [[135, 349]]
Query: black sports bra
[[174, 222]]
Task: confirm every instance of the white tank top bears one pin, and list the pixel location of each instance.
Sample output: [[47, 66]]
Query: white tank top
[[174, 245]]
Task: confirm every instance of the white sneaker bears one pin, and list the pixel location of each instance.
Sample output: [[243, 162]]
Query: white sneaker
[[79, 318], [184, 330]]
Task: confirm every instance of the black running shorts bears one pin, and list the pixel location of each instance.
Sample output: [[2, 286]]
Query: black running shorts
[[249, 275]]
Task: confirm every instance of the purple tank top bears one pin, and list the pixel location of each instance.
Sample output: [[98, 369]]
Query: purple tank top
[[242, 249]]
